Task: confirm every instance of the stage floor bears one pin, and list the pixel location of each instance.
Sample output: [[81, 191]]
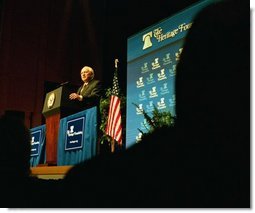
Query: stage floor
[[50, 172]]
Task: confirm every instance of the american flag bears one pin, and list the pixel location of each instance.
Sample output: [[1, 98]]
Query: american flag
[[114, 127]]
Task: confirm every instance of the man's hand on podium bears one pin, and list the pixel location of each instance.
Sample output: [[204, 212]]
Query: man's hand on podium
[[75, 96]]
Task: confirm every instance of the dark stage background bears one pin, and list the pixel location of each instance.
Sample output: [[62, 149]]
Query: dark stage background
[[46, 42]]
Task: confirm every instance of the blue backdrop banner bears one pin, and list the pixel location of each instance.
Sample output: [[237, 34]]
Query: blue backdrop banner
[[152, 58]]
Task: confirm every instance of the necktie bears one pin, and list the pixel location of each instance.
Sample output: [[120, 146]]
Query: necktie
[[83, 87]]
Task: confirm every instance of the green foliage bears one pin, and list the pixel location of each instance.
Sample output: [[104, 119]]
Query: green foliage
[[104, 110], [157, 120], [164, 118]]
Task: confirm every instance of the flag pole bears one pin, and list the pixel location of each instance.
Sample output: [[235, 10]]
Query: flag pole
[[116, 67], [116, 61], [113, 141], [112, 145]]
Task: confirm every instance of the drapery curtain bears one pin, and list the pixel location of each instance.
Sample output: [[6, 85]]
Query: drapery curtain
[[47, 41]]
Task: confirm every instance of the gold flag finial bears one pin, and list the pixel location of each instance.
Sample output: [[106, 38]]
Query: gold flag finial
[[116, 63]]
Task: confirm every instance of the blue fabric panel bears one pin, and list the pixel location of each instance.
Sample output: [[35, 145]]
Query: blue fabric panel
[[88, 150], [41, 157]]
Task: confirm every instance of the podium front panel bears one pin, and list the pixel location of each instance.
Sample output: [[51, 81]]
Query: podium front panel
[[87, 120]]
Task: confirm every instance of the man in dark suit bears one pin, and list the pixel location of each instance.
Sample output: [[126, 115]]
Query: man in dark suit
[[91, 90]]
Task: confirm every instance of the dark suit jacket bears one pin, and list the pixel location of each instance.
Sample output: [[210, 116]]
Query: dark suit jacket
[[91, 93]]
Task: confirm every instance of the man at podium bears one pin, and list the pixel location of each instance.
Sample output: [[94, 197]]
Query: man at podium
[[91, 90], [61, 103]]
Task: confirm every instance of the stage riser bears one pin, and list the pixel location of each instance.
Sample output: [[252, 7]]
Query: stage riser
[[50, 172]]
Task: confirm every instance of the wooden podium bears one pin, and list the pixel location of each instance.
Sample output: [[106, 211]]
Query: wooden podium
[[56, 106]]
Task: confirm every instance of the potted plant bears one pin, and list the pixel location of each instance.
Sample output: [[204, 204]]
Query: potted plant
[[157, 120]]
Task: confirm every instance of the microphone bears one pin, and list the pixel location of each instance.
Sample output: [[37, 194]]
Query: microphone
[[64, 83]]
